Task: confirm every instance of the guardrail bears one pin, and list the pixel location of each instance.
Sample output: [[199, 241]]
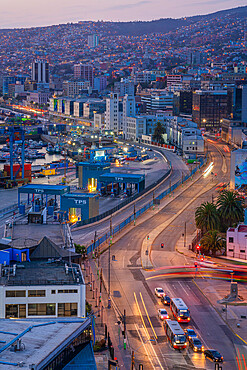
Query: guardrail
[[138, 213], [5, 211]]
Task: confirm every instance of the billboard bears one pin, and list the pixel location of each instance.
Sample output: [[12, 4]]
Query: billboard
[[238, 172]]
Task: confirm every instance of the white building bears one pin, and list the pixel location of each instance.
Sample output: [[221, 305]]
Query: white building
[[42, 290], [236, 242], [112, 113], [136, 127], [184, 134], [93, 40], [40, 71]]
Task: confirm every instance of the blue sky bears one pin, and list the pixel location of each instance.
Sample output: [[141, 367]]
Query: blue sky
[[31, 13]]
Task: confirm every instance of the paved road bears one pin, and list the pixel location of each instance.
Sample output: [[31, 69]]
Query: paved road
[[86, 234], [131, 291]]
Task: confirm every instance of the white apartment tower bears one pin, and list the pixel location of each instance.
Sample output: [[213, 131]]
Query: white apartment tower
[[93, 40], [112, 112], [40, 71]]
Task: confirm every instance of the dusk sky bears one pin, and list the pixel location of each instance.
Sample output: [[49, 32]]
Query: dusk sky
[[28, 13]]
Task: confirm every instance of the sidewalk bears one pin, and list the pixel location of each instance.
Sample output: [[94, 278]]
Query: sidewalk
[[105, 316]]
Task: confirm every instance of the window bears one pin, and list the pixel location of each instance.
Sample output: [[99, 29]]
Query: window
[[41, 309], [242, 250], [67, 309], [15, 310], [15, 293], [230, 250], [68, 291], [53, 292], [36, 293], [231, 239]]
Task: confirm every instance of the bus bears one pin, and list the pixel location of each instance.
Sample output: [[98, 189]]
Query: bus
[[179, 310], [175, 334]]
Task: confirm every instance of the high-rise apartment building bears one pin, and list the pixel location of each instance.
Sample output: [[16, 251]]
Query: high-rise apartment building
[[112, 113], [93, 40], [40, 71], [84, 72]]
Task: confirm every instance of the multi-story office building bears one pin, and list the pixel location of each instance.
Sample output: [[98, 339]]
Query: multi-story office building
[[42, 290], [182, 102], [129, 110], [123, 87], [40, 72], [100, 83], [174, 80], [157, 100], [112, 121], [73, 88], [7, 80], [93, 40], [210, 107], [84, 72]]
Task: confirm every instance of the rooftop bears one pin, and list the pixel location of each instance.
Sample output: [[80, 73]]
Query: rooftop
[[42, 273], [48, 336], [44, 189]]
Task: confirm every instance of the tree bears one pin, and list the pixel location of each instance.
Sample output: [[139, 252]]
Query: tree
[[159, 130], [212, 242], [230, 207], [207, 217]]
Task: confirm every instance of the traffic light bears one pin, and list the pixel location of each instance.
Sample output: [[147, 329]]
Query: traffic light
[[162, 245], [148, 237], [132, 360]]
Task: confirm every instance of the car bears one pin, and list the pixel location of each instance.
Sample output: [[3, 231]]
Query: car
[[190, 333], [162, 313], [196, 344], [166, 300], [159, 292], [213, 355]]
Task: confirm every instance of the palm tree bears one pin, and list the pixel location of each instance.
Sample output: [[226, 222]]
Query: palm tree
[[207, 217], [230, 207], [212, 242]]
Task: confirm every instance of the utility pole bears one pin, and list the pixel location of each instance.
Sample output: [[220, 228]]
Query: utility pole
[[185, 234], [134, 214], [109, 266]]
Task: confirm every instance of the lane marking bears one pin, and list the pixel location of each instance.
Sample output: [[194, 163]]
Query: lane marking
[[144, 344], [143, 323], [148, 316]]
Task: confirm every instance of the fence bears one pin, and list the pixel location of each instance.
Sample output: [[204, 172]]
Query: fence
[[5, 211], [138, 213]]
